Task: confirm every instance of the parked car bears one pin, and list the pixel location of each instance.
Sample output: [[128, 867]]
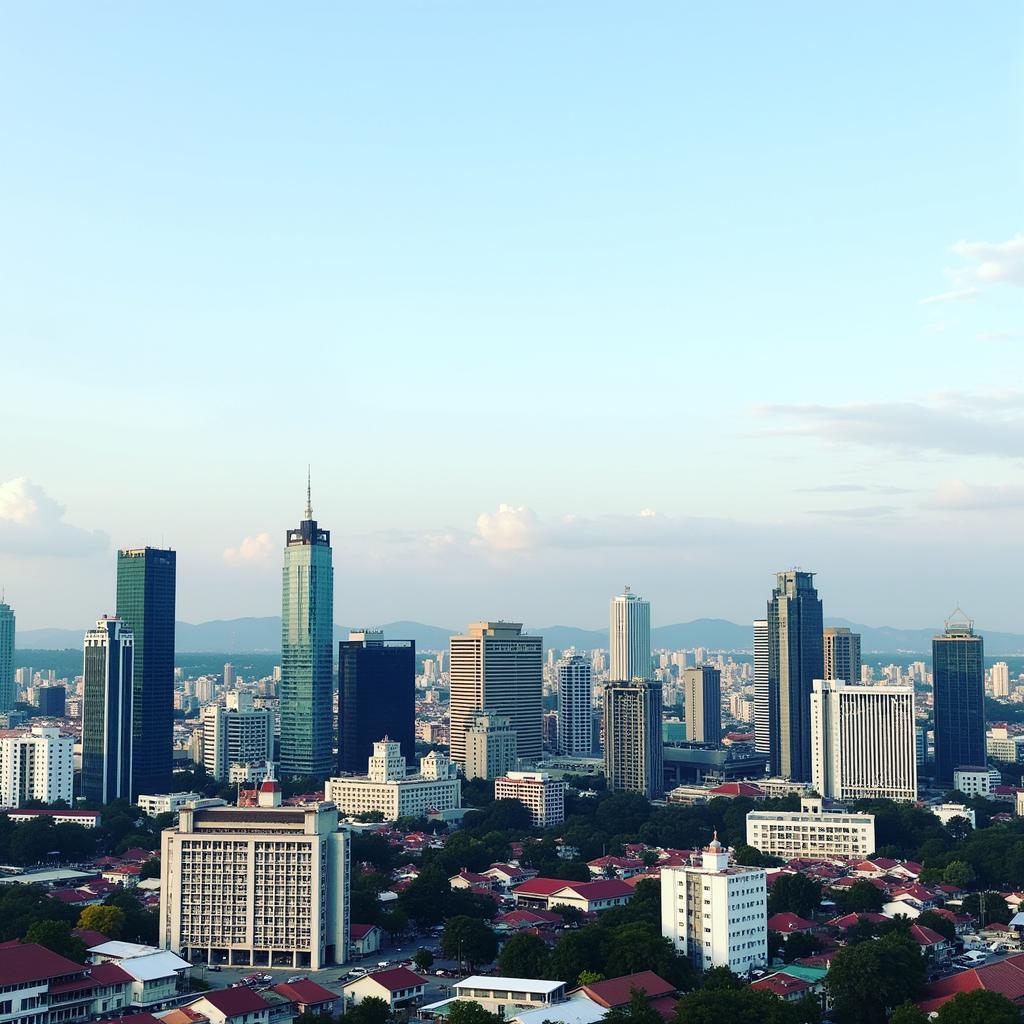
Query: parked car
[[215, 967], [296, 977]]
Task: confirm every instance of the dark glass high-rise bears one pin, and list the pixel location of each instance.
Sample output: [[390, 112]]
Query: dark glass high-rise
[[376, 697], [958, 679], [146, 582]]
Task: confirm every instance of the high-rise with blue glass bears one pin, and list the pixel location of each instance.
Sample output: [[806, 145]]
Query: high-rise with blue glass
[[307, 658], [146, 582], [958, 679]]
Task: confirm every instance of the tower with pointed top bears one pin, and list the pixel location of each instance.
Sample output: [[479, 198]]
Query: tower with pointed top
[[307, 637]]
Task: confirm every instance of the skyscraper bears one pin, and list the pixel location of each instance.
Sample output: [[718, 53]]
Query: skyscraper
[[236, 733], [958, 674], [863, 744], [702, 703], [629, 637], [107, 716], [376, 697], [7, 692], [495, 668], [1000, 679], [633, 750], [762, 704], [842, 654], [307, 640], [795, 660], [575, 715], [146, 580]]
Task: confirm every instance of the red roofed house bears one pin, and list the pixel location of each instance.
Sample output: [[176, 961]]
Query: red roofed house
[[788, 923], [238, 1005], [536, 891], [126, 875], [847, 921], [397, 986], [309, 997], [467, 879], [364, 939], [618, 991], [591, 897], [508, 875], [616, 867], [935, 946], [787, 987], [520, 920], [1005, 977]]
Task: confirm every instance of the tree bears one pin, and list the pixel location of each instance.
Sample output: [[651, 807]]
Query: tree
[[958, 873], [869, 979], [578, 952], [469, 939], [640, 946], [394, 922], [742, 1006], [637, 1011], [140, 924], [108, 921], [987, 907], [795, 893], [371, 1010], [423, 959], [523, 956], [752, 857], [800, 944], [908, 1013], [959, 828], [589, 977], [937, 923], [56, 936], [979, 1005], [468, 1011], [863, 896], [150, 869], [720, 977]]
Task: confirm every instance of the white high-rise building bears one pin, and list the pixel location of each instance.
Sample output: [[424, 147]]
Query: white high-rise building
[[716, 913], [863, 744], [762, 725], [496, 669], [629, 634], [1000, 679], [237, 733], [35, 764], [542, 795], [575, 697]]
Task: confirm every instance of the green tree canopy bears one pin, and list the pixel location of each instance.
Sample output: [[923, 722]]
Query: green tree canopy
[[468, 1011], [978, 1007], [867, 981], [796, 893], [742, 1006], [108, 921], [470, 939], [524, 956], [56, 936]]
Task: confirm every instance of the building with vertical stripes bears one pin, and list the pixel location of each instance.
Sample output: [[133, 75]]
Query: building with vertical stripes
[[575, 712], [629, 637], [634, 757], [863, 743], [762, 725]]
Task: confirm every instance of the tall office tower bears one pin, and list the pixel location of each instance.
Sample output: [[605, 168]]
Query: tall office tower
[[35, 764], [1000, 679], [575, 696], [7, 691], [863, 743], [491, 746], [107, 716], [376, 697], [842, 654], [229, 675], [795, 660], [307, 655], [958, 674], [237, 733], [495, 668], [51, 701], [146, 579], [633, 754], [629, 634], [702, 703], [762, 723]]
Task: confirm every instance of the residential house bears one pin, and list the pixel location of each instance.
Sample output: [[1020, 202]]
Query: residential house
[[310, 998], [364, 939], [239, 1005], [615, 993], [397, 986]]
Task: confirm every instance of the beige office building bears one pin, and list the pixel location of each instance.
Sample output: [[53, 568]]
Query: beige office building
[[495, 669], [491, 746], [633, 752]]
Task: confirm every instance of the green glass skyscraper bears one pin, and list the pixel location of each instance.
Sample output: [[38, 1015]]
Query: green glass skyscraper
[[958, 680], [7, 693], [307, 637], [146, 581]]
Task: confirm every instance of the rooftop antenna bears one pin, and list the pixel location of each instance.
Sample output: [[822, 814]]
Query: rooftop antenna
[[309, 495]]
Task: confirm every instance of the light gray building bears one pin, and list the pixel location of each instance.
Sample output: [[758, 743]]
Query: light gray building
[[633, 750]]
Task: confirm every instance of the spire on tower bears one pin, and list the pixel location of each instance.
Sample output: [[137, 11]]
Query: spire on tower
[[309, 495]]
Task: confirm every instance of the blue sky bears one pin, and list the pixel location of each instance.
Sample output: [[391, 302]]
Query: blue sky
[[553, 297]]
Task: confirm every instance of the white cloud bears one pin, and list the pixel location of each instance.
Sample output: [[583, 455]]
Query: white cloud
[[957, 295], [32, 523], [511, 528], [994, 261], [252, 551], [960, 496]]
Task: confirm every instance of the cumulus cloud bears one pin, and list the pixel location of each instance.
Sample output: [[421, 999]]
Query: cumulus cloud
[[252, 551], [511, 528], [32, 523], [957, 295], [960, 496], [994, 262]]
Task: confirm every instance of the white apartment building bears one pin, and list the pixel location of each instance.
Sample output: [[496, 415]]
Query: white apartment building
[[387, 788], [976, 781], [164, 803], [543, 795], [629, 636], [237, 733], [811, 832], [863, 742], [716, 914], [264, 886], [575, 710], [1002, 746], [633, 749], [35, 764], [491, 746], [1000, 679]]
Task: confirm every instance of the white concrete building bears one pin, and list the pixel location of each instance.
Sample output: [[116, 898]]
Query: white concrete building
[[1001, 679], [976, 781], [716, 914], [35, 764], [1001, 745], [575, 710], [543, 795], [629, 637], [863, 743], [165, 803], [261, 887], [387, 788], [506, 995], [237, 733], [811, 832], [491, 746], [947, 812]]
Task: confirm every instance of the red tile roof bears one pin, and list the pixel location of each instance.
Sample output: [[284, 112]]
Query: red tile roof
[[526, 918], [359, 931], [787, 923], [849, 920], [781, 985], [1005, 977], [306, 992], [541, 886], [136, 1018], [925, 936], [231, 1001], [396, 979], [602, 889], [31, 962], [617, 991], [738, 789], [89, 937]]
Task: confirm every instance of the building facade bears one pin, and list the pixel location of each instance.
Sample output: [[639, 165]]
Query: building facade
[[795, 660], [575, 706], [376, 696], [496, 669], [491, 746], [541, 794], [1002, 745], [307, 650], [1000, 680], [107, 719], [256, 887], [629, 637], [958, 678], [716, 913], [236, 733], [863, 741], [702, 703], [51, 701], [388, 788], [633, 747], [762, 704], [146, 583], [842, 654], [36, 764], [7, 689], [812, 831]]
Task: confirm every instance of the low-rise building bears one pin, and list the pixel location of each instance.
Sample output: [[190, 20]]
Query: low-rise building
[[364, 939], [87, 819], [307, 997], [589, 897], [976, 780], [238, 1005], [813, 831], [165, 803], [541, 794], [504, 996], [946, 812], [397, 986]]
